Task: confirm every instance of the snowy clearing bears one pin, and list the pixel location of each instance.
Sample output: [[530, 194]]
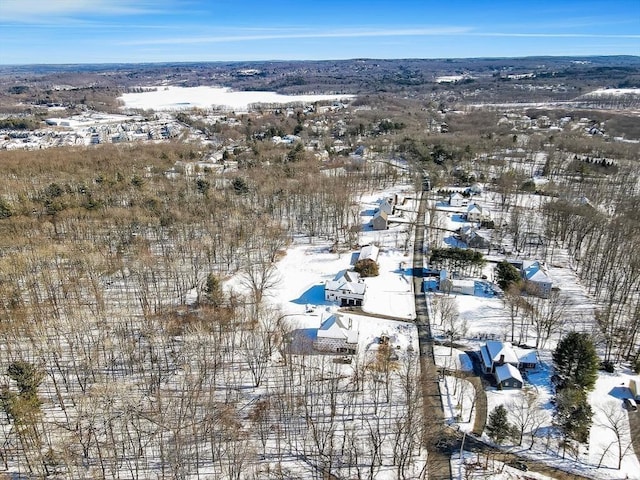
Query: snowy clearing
[[178, 98]]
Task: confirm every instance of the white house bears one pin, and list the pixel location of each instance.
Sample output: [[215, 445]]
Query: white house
[[461, 287], [347, 288], [336, 334], [476, 213], [456, 200], [386, 207]]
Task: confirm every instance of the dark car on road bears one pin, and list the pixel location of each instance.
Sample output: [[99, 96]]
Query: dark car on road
[[519, 465]]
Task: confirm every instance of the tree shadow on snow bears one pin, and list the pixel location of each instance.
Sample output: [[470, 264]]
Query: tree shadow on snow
[[302, 341]]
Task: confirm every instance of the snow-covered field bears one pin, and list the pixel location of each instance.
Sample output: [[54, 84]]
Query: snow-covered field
[[178, 98], [613, 92]]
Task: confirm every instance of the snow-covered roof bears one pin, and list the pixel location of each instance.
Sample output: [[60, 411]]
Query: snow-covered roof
[[496, 349], [369, 252], [507, 371], [526, 355], [463, 283], [534, 272], [347, 280], [386, 207], [337, 327], [456, 196], [473, 207]]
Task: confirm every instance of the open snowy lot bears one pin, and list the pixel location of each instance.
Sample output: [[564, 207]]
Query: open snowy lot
[[178, 98]]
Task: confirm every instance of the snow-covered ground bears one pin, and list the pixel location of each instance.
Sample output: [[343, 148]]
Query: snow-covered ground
[[452, 359], [613, 92], [178, 98], [474, 466], [458, 401]]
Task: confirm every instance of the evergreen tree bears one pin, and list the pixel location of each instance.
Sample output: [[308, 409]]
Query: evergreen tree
[[573, 414], [576, 361], [213, 290], [498, 426], [507, 275]]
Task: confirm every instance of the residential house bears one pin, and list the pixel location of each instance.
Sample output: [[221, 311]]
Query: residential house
[[476, 213], [456, 200], [368, 252], [380, 221], [475, 189], [504, 361], [386, 206], [347, 288], [535, 275], [495, 353], [336, 335], [508, 376], [460, 287], [475, 238]]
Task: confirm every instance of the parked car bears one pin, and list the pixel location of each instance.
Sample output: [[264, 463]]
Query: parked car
[[630, 404], [519, 465]]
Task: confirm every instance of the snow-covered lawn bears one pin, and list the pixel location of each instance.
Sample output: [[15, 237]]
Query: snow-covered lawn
[[452, 360], [474, 466], [458, 401], [610, 416]]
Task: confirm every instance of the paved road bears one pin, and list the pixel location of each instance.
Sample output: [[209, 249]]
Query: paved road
[[438, 462], [634, 426]]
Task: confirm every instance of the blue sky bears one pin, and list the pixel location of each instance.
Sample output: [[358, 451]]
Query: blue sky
[[105, 31]]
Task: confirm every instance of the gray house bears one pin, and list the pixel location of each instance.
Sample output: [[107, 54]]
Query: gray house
[[508, 376], [380, 221]]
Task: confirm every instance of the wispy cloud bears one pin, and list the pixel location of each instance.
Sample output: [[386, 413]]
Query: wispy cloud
[[283, 34], [551, 35], [37, 11], [297, 34]]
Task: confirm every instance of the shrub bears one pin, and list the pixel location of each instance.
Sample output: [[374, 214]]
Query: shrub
[[366, 268]]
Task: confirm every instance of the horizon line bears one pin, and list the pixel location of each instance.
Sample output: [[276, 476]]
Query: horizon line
[[279, 60]]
